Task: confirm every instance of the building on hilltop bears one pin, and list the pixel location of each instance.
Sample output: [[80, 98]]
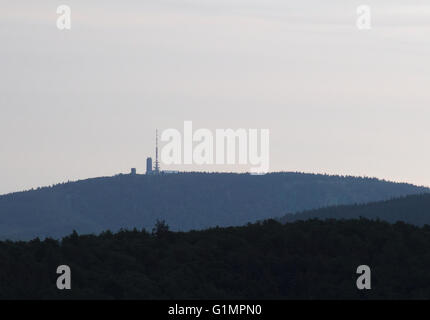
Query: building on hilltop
[[149, 165], [156, 170]]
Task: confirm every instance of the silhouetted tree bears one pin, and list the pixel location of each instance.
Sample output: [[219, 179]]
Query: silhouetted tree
[[160, 229]]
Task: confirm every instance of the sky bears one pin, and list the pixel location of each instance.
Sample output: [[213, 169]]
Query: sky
[[85, 102]]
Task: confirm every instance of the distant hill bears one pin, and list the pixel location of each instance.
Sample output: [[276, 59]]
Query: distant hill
[[414, 209], [185, 200], [269, 260]]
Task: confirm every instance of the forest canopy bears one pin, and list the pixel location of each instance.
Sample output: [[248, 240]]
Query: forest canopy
[[302, 260], [185, 201]]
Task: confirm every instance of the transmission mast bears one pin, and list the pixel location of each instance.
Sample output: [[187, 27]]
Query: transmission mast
[[157, 164]]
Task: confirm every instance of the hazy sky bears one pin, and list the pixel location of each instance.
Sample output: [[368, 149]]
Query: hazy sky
[[85, 102]]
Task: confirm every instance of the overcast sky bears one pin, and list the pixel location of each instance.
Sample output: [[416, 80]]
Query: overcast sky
[[85, 102]]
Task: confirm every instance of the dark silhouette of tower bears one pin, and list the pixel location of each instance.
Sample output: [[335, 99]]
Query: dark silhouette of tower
[[157, 164], [149, 165]]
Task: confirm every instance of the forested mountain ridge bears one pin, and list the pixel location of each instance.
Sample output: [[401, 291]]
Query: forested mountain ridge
[[268, 260], [185, 200], [413, 209]]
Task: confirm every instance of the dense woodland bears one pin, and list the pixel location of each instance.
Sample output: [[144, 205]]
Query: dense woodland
[[186, 201], [302, 260], [414, 209]]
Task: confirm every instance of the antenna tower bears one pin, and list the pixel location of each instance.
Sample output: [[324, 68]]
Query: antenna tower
[[157, 164]]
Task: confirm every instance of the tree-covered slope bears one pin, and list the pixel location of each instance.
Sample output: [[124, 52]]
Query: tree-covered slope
[[186, 201], [301, 260], [414, 209]]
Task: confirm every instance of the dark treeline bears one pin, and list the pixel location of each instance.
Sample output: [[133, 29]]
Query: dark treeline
[[414, 209], [186, 201], [302, 260]]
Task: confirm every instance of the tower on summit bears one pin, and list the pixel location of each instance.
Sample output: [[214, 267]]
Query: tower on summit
[[149, 165], [157, 163], [156, 168]]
